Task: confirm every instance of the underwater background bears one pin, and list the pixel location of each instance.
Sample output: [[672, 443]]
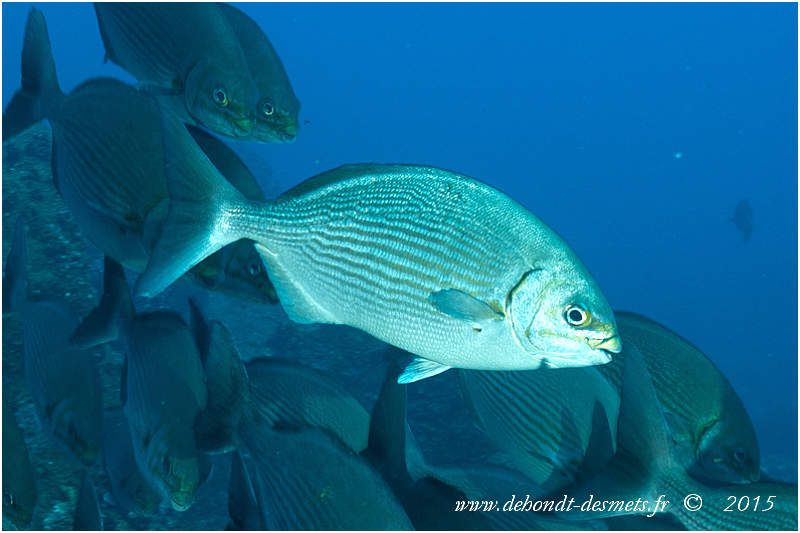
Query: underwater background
[[632, 130]]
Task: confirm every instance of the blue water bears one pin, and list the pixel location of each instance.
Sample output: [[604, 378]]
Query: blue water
[[632, 130]]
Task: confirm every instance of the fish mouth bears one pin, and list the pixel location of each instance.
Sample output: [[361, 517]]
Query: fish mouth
[[611, 344]]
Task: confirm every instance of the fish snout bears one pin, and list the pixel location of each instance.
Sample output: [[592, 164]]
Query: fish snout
[[611, 344]]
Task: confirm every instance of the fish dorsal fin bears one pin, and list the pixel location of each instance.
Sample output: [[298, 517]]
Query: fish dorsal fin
[[387, 428], [419, 369], [463, 306], [200, 330], [105, 322]]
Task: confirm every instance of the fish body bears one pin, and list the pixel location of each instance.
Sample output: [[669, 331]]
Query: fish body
[[165, 393], [108, 165], [277, 107], [714, 436], [19, 479], [187, 51], [432, 262], [552, 425], [132, 492]]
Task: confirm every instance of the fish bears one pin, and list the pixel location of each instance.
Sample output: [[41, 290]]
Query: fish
[[743, 219], [714, 435], [276, 113], [243, 504], [62, 379], [284, 392], [87, 510], [227, 384], [131, 491], [163, 388], [108, 166], [189, 54], [20, 492], [308, 480], [645, 466], [552, 425], [432, 262]]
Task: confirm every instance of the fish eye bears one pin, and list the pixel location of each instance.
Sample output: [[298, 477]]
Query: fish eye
[[576, 316], [267, 108], [254, 268], [739, 455], [220, 97]]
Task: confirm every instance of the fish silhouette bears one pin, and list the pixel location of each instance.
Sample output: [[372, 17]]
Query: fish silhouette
[[743, 219]]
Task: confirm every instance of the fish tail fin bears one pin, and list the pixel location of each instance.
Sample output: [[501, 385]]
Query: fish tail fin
[[386, 446], [205, 211], [227, 382], [104, 323], [15, 275], [40, 91]]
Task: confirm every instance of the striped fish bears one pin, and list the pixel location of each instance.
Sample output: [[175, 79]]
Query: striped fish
[[187, 51], [277, 108], [715, 437], [108, 165], [553, 425], [429, 261]]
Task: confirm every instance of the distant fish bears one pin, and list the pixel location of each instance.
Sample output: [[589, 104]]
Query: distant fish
[[743, 219], [553, 425], [186, 51], [61, 378], [131, 491], [432, 262], [108, 166], [163, 388], [714, 437], [308, 480], [277, 108], [645, 466], [19, 479], [87, 510]]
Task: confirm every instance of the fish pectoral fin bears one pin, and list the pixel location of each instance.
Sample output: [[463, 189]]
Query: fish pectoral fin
[[419, 369], [462, 306]]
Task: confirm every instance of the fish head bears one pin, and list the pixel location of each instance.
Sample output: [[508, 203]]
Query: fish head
[[559, 314], [182, 477], [237, 270], [277, 118], [81, 434], [221, 100], [727, 453]]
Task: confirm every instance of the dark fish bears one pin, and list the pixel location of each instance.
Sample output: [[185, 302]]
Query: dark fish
[[645, 466], [61, 378], [552, 424], [188, 52], [743, 219], [308, 480], [163, 388], [364, 245], [714, 437], [108, 165], [278, 107], [131, 492], [226, 381], [284, 392], [19, 478], [87, 510]]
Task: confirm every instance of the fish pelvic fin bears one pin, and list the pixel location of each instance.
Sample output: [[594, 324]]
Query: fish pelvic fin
[[421, 368], [105, 322], [40, 92], [205, 211]]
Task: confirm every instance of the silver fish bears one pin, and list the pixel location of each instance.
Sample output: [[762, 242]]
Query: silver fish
[[432, 262], [108, 166], [187, 51], [277, 108], [551, 424]]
